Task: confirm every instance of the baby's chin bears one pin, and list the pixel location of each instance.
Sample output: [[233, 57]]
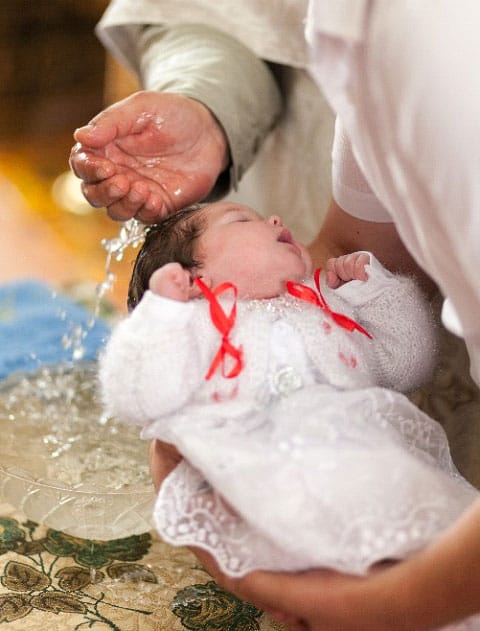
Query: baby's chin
[[301, 274], [304, 271], [308, 262], [265, 291], [308, 267], [271, 286]]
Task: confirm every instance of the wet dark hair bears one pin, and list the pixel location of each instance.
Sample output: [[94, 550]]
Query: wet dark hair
[[171, 240]]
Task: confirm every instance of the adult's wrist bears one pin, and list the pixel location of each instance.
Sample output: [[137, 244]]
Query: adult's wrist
[[214, 68], [438, 585]]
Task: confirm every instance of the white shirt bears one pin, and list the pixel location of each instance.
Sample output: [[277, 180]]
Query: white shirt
[[410, 109]]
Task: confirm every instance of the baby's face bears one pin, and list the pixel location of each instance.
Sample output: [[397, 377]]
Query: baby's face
[[258, 255]]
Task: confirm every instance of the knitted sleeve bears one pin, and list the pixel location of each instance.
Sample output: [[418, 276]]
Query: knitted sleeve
[[150, 366], [400, 319]]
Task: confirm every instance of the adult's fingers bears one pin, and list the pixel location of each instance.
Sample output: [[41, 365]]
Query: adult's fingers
[[107, 192], [120, 120], [89, 166], [163, 457], [137, 203], [102, 129], [154, 209], [210, 565], [269, 590]]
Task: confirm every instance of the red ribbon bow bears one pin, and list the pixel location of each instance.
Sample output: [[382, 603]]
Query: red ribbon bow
[[303, 292], [224, 323]]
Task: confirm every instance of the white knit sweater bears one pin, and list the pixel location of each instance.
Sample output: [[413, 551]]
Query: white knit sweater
[[153, 369]]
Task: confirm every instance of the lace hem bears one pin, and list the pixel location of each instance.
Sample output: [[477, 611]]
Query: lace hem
[[361, 479]]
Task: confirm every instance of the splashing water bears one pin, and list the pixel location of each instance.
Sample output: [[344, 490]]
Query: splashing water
[[62, 461], [65, 464], [132, 234]]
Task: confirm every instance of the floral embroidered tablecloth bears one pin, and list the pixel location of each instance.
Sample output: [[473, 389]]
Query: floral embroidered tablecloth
[[51, 581]]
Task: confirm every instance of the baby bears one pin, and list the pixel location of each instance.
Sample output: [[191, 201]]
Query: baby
[[281, 391]]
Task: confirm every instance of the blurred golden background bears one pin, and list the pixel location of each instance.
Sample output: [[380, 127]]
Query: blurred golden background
[[54, 77]]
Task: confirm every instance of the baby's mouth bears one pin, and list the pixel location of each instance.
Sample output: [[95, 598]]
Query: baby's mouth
[[285, 236]]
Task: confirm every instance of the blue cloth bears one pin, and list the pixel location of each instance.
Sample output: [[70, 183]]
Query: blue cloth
[[33, 322]]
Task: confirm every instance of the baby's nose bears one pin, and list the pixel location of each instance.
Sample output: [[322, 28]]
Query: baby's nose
[[275, 220]]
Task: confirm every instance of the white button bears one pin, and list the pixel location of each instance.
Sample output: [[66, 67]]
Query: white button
[[287, 380]]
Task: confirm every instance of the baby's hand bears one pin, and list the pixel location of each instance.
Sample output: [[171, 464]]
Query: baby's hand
[[171, 281], [347, 267]]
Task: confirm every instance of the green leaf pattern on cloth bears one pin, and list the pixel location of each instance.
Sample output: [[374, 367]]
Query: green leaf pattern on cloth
[[51, 580]]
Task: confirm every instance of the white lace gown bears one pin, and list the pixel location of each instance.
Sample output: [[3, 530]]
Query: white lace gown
[[315, 481]]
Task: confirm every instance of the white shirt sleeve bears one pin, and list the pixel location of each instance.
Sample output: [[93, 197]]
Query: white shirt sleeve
[[350, 188]]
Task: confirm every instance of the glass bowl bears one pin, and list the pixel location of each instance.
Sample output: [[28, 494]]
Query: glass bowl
[[65, 465]]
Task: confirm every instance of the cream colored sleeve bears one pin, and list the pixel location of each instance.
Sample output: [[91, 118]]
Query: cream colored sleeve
[[210, 66]]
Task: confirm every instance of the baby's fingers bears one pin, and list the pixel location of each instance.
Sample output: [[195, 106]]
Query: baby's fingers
[[356, 265], [345, 268]]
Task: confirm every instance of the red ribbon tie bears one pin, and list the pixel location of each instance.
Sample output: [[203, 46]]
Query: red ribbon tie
[[224, 323], [303, 292]]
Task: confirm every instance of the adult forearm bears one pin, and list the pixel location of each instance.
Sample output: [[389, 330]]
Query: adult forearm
[[440, 584]]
